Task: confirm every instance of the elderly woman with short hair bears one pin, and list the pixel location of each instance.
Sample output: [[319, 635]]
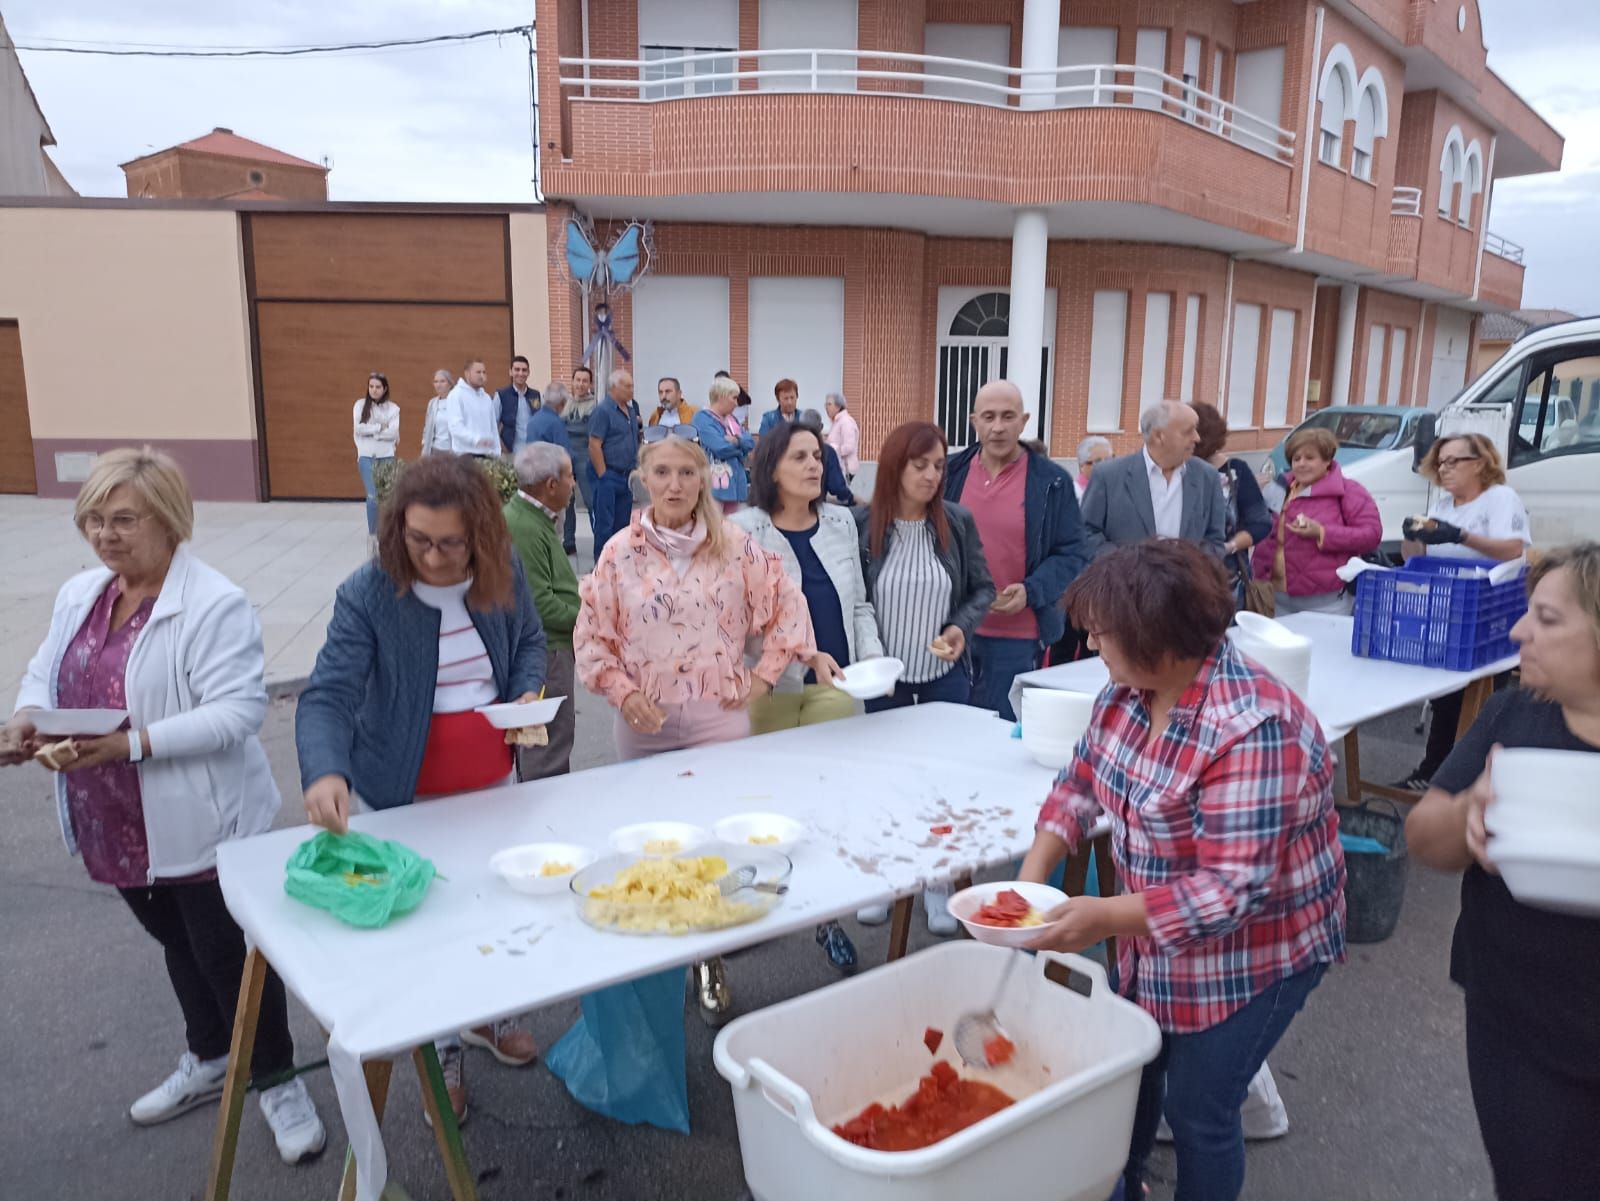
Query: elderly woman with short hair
[[844, 435], [1219, 787], [439, 623], [533, 516], [436, 425], [1092, 451], [156, 632], [726, 443]]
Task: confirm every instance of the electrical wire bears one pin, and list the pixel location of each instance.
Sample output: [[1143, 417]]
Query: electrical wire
[[131, 50]]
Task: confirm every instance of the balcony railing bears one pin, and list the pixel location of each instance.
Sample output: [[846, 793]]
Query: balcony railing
[[1495, 244], [1116, 85], [1407, 202]]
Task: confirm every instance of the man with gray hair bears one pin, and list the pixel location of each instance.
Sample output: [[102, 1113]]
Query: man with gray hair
[[844, 435], [614, 431], [1156, 492], [544, 471]]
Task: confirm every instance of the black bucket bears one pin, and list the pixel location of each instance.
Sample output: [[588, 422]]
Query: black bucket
[[1376, 885]]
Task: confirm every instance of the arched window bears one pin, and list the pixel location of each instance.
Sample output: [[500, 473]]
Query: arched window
[[986, 316], [1471, 184], [1451, 164], [1366, 132], [1335, 105]]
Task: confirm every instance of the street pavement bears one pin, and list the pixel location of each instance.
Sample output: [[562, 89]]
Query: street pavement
[[1372, 1072]]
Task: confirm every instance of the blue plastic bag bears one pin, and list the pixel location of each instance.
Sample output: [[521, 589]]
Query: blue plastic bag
[[624, 1058]]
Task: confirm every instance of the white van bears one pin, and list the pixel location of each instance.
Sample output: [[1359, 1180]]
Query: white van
[[1540, 404]]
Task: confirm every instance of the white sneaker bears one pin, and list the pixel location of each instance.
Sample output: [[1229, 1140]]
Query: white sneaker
[[194, 1083], [873, 915], [296, 1128], [937, 903]]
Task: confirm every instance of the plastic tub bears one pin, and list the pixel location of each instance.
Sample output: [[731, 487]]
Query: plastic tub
[[800, 1067]]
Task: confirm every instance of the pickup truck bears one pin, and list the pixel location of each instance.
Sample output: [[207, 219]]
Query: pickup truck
[[1540, 404]]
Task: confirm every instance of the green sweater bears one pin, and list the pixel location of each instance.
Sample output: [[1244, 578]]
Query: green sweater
[[549, 572]]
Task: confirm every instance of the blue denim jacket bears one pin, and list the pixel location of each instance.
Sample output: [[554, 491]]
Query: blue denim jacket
[[1056, 549], [365, 713]]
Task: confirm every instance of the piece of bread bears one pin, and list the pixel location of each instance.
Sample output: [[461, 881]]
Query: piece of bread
[[528, 736], [57, 755]]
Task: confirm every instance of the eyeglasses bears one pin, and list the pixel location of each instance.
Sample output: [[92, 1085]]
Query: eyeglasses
[[122, 524], [422, 544], [1455, 461], [660, 433]]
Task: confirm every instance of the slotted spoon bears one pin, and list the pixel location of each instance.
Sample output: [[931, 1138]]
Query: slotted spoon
[[974, 1031]]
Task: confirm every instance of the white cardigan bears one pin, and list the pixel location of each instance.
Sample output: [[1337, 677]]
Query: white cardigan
[[377, 438], [838, 545], [195, 685]]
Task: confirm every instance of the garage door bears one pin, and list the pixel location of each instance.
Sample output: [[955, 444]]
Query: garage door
[[16, 443], [339, 295], [1449, 371], [314, 364]]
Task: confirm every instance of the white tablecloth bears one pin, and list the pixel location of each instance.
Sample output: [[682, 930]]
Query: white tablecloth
[[869, 788], [1345, 691]]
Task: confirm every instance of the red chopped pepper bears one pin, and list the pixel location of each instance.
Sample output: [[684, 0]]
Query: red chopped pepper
[[931, 1038], [1009, 909], [941, 829], [999, 1050]]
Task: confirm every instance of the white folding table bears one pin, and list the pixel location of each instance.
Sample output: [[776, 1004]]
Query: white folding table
[[872, 790], [1345, 691]]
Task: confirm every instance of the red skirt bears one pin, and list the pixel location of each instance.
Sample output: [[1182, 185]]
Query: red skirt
[[464, 753]]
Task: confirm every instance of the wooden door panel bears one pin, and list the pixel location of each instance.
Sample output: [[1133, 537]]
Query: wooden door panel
[[16, 432], [314, 364], [379, 256]]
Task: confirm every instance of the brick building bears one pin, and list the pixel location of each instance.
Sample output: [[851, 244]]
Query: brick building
[[221, 165], [1273, 205]]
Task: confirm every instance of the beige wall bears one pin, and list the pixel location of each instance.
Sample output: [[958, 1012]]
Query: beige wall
[[133, 322], [530, 293]]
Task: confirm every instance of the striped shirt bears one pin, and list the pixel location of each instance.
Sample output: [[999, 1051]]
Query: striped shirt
[[914, 594], [466, 677]]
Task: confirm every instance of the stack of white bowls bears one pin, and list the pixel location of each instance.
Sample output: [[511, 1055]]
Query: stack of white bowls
[[1277, 648], [1052, 723], [1544, 826]]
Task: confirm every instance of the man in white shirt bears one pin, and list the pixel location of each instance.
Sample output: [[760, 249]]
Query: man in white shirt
[[1157, 492], [472, 414]]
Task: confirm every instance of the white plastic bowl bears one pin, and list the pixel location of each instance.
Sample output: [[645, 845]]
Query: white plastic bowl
[[742, 829], [519, 866], [675, 838], [1554, 794], [512, 716], [1052, 723], [83, 723], [969, 900], [871, 678], [1048, 752], [1564, 880]]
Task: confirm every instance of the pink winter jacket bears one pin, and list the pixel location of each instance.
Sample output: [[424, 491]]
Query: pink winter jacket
[[1351, 526], [640, 627]]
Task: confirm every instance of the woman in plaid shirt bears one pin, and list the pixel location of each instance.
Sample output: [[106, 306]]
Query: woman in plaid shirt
[[1218, 784]]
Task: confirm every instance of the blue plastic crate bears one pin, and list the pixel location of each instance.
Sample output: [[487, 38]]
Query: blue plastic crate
[[1435, 612]]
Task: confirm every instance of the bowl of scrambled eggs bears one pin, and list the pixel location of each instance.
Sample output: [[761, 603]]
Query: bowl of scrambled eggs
[[677, 894], [540, 868]]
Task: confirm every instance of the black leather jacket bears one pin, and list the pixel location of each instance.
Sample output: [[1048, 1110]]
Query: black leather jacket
[[963, 559]]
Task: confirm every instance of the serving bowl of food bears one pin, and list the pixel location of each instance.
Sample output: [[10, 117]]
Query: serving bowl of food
[[680, 894], [658, 839], [1007, 913], [773, 831], [541, 868]]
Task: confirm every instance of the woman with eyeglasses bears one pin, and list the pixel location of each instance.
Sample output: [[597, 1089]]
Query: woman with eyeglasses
[[726, 443], [1476, 516], [666, 615], [155, 632], [439, 623], [377, 431]]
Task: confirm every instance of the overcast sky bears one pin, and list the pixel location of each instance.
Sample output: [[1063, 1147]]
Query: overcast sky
[[451, 123]]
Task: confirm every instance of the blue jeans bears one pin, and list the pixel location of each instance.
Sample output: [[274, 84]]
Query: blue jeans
[[364, 465], [1200, 1080], [954, 686], [995, 663], [613, 507], [584, 471]]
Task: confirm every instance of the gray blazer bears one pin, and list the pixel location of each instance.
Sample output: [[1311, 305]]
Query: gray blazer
[[1117, 510]]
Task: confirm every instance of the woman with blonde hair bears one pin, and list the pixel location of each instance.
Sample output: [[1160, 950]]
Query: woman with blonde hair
[[157, 633], [1476, 515], [667, 612], [1530, 977], [726, 443]]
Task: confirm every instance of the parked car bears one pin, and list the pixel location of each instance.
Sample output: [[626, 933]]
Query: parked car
[[1361, 429]]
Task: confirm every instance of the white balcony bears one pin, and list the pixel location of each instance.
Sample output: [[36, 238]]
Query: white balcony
[[1495, 244], [706, 76]]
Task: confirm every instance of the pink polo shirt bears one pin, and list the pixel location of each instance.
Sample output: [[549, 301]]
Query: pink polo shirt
[[997, 504]]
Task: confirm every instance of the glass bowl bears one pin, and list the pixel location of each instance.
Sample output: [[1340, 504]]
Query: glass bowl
[[686, 914]]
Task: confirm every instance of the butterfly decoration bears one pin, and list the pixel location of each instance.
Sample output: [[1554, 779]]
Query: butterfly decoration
[[618, 266]]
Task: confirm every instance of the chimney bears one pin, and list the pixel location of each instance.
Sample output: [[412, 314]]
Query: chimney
[[221, 129]]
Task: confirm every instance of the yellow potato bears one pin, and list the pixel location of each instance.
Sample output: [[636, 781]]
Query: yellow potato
[[763, 840], [552, 868], [672, 896], [662, 846]]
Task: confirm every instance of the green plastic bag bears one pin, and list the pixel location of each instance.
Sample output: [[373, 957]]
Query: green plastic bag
[[360, 879]]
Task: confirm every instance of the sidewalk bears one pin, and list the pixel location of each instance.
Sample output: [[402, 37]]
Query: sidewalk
[[288, 556]]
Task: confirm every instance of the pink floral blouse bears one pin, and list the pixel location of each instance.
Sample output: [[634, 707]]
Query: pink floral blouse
[[641, 627], [104, 802]]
